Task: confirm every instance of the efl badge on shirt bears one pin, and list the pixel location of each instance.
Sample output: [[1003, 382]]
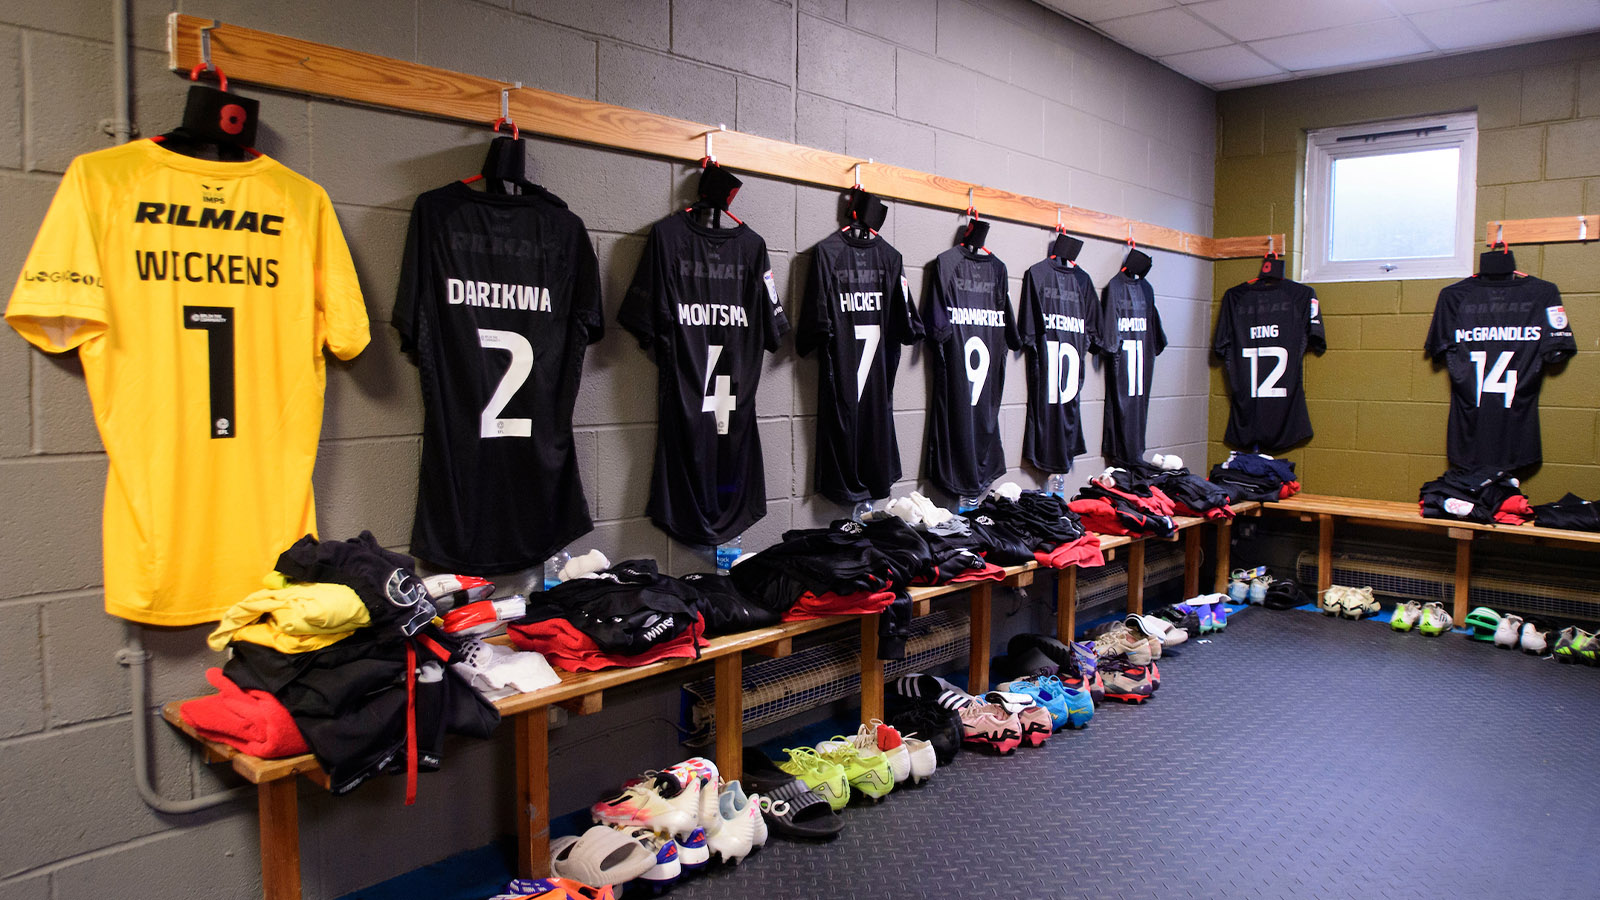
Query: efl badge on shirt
[[1557, 316]]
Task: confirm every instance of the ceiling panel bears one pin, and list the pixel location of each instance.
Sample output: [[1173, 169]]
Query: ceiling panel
[[1227, 43], [1505, 22], [1099, 10], [1231, 63], [1164, 33], [1349, 45]]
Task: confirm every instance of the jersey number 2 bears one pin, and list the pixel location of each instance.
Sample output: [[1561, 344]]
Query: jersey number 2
[[490, 424], [1267, 387], [1501, 378], [217, 323]]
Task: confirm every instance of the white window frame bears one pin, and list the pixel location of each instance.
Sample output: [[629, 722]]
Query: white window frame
[[1323, 147]]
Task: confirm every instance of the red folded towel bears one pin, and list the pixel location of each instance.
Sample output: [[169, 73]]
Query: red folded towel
[[253, 722]]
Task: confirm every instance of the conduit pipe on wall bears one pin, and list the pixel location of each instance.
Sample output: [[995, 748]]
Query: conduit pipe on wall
[[133, 655]]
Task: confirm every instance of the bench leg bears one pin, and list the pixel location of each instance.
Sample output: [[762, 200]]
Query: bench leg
[[1463, 579], [533, 793], [871, 671], [1324, 556], [279, 813], [1191, 562], [730, 716], [1136, 578], [1066, 603], [1224, 554], [978, 655]]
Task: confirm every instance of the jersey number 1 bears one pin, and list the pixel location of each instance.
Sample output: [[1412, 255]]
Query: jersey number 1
[[217, 323]]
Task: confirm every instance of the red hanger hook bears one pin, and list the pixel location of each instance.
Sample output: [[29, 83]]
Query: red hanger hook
[[515, 131], [194, 73]]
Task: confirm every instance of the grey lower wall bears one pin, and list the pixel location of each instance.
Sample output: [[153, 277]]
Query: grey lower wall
[[1003, 93]]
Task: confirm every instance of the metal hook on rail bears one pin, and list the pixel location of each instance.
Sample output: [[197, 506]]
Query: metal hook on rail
[[858, 172], [711, 156], [505, 111], [1583, 228]]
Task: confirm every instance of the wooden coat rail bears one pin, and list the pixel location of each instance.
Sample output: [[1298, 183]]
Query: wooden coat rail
[[275, 61], [1554, 230]]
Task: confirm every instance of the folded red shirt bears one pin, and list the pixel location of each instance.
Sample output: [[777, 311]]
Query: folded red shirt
[[1216, 512], [1084, 552], [1288, 489], [566, 647], [252, 722], [1514, 511], [816, 606]]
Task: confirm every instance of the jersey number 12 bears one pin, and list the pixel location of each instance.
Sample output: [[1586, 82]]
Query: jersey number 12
[[1267, 387]]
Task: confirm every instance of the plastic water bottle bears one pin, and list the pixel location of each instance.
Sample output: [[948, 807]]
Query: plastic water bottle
[[729, 552], [968, 504], [862, 510], [553, 567], [1056, 484]]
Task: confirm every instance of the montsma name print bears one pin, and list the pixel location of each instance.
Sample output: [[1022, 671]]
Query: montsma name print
[[861, 301], [1060, 322], [495, 295], [992, 318], [712, 314], [1132, 323], [1499, 333]]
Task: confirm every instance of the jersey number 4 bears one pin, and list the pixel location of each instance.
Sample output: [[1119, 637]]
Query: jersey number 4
[[1267, 387], [217, 323], [720, 402], [1501, 379]]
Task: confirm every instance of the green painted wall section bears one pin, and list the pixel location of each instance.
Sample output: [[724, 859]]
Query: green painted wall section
[[1377, 404]]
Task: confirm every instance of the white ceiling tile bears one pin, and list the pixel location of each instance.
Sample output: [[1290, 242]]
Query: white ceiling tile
[[1164, 32], [1100, 10], [1344, 46], [1252, 20], [1507, 22], [1230, 63], [1407, 7]]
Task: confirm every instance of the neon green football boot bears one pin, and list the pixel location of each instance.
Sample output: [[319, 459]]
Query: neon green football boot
[[865, 766], [827, 779]]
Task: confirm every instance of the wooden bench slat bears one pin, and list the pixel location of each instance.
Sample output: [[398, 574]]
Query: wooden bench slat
[[1402, 512]]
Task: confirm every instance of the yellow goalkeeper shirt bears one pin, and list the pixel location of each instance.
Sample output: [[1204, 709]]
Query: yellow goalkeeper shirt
[[200, 296]]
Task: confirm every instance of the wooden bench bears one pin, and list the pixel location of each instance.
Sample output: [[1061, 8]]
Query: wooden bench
[[1396, 514], [582, 694]]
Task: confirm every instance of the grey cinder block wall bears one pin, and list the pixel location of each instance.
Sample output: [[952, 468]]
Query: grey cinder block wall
[[1002, 92]]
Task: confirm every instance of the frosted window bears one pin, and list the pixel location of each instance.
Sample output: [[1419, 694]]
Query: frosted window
[[1397, 205]]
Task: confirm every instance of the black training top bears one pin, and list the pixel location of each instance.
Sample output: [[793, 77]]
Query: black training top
[[1129, 337], [1265, 328], [1056, 317]]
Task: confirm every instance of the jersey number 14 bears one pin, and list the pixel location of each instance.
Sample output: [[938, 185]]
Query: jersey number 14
[[1501, 378]]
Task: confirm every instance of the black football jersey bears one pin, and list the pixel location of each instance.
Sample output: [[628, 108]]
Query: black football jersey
[[1129, 337], [1495, 338], [1056, 317], [1263, 333], [499, 296], [967, 314], [704, 302], [858, 312]]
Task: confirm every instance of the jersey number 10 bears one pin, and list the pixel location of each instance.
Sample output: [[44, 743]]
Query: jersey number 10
[[1061, 390]]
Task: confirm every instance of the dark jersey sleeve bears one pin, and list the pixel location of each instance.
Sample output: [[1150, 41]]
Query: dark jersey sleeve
[[1316, 338], [1103, 336], [1441, 331], [774, 322], [586, 307], [905, 326], [1222, 339], [1028, 322], [404, 317], [815, 327], [639, 307], [1012, 339], [1158, 335], [935, 321], [1556, 341]]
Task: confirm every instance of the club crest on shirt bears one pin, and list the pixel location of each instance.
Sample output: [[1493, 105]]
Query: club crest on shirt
[[1557, 316], [1457, 507]]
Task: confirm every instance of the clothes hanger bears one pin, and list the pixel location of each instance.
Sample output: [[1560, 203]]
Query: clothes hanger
[[1501, 264], [1271, 266], [216, 125], [1136, 264], [976, 230], [717, 188], [867, 212], [1065, 246], [505, 166]]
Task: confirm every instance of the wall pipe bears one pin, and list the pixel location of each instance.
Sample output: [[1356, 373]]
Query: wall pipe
[[133, 655]]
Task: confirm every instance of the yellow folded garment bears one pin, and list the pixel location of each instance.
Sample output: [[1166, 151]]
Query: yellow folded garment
[[291, 617]]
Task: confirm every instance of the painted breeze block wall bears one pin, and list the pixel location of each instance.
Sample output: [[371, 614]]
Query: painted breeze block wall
[[1378, 405], [1003, 93]]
